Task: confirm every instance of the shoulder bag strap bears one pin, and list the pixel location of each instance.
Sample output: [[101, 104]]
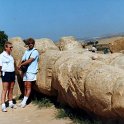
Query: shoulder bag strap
[[31, 53]]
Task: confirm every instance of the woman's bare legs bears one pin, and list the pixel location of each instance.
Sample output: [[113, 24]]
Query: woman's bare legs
[[10, 91], [3, 95], [10, 94]]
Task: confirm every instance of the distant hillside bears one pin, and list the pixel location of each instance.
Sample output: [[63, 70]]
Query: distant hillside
[[106, 38], [115, 43], [109, 39]]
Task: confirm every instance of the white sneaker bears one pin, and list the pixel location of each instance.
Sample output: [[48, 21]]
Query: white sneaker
[[12, 106], [4, 109], [22, 105]]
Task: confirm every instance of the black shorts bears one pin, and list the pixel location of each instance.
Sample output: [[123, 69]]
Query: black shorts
[[8, 77]]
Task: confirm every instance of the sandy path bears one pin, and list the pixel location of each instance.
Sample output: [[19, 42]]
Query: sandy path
[[30, 115]]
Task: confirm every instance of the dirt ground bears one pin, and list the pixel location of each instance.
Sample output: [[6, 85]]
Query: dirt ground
[[31, 114]]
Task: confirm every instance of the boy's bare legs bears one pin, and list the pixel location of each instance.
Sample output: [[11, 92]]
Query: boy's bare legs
[[27, 92]]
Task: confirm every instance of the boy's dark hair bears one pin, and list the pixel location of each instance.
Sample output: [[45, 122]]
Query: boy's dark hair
[[30, 40]]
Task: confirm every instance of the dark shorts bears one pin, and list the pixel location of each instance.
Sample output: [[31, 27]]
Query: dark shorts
[[8, 77]]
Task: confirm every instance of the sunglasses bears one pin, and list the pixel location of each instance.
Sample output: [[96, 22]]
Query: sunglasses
[[30, 43]]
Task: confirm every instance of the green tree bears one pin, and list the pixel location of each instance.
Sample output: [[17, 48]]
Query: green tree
[[3, 39]]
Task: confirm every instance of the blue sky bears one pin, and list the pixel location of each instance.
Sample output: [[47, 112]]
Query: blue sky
[[56, 18]]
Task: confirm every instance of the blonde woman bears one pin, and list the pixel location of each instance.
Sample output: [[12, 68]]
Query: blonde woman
[[7, 75]]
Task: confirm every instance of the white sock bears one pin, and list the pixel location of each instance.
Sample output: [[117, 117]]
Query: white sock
[[24, 100], [10, 102], [3, 105]]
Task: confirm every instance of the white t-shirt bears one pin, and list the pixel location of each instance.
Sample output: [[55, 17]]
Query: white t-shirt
[[7, 62], [33, 66]]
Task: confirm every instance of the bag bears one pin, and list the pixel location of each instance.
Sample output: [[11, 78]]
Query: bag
[[24, 67]]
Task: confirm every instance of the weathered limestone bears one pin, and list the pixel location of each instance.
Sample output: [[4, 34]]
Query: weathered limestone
[[96, 85], [101, 89], [106, 58], [86, 84], [118, 62], [117, 45], [46, 65], [69, 43], [44, 78], [44, 44], [18, 47]]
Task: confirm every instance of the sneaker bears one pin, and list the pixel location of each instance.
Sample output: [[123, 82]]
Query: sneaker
[[12, 106], [22, 105], [4, 109]]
